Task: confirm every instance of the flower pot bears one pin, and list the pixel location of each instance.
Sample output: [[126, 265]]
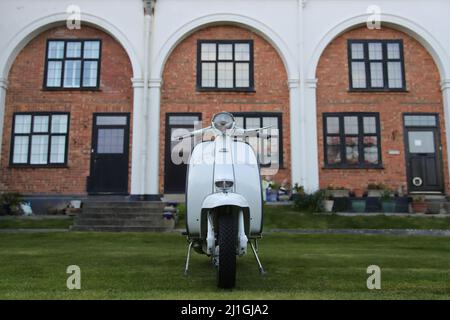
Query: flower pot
[[328, 205], [283, 197], [340, 193], [419, 207], [374, 193], [272, 196], [359, 205], [388, 206]]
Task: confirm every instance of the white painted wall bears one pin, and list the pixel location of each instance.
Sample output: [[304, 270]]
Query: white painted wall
[[298, 29]]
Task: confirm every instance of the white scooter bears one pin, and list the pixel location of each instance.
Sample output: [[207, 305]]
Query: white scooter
[[223, 197]]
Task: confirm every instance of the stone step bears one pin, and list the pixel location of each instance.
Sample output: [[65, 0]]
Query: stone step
[[157, 222], [124, 204], [123, 210], [119, 215], [120, 228]]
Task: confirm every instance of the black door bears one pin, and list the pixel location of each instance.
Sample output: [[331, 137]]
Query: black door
[[175, 164], [109, 154], [423, 154]]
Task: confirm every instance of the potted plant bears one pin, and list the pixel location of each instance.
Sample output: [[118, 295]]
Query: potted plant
[[272, 192], [387, 201], [328, 201], [358, 205], [283, 191], [375, 190], [10, 203], [419, 205], [338, 192]]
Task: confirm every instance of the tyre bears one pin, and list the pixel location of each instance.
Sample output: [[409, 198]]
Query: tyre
[[226, 271]]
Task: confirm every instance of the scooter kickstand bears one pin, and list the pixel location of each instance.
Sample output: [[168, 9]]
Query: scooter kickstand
[[186, 268], [261, 269]]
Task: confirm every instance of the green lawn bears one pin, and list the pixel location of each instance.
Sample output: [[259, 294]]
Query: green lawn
[[35, 223], [149, 266]]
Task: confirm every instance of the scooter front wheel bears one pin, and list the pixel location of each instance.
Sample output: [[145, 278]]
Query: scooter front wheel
[[226, 271]]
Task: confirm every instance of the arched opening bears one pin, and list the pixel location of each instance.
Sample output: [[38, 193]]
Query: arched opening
[[262, 95]]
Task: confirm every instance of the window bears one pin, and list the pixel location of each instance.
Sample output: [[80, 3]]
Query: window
[[72, 64], [265, 147], [352, 140], [376, 65], [39, 139], [225, 65]]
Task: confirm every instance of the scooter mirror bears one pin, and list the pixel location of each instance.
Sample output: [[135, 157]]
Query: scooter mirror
[[223, 121]]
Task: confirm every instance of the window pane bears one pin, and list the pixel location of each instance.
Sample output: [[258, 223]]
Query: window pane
[[39, 149], [183, 120], [73, 49], [242, 75], [208, 52], [111, 120], [252, 123], [395, 79], [239, 122], [333, 150], [375, 51], [40, 124], [22, 124], [225, 75], [371, 150], [332, 125], [376, 75], [20, 154], [208, 74], [421, 142], [270, 121], [56, 49], [110, 141], [242, 52], [54, 69], [351, 125], [90, 74], [91, 49], [369, 125], [351, 150], [72, 74], [59, 123], [58, 149], [393, 51], [357, 51], [358, 75], [225, 51], [427, 121]]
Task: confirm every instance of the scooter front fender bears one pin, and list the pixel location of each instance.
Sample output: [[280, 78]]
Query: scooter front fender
[[224, 199]]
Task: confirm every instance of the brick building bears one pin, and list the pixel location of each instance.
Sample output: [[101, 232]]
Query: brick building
[[91, 110]]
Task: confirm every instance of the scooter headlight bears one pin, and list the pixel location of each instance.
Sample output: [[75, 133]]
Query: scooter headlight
[[224, 185], [223, 121]]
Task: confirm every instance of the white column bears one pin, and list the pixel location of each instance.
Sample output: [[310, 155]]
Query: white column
[[296, 121], [445, 86], [3, 88], [310, 131], [138, 145], [152, 172]]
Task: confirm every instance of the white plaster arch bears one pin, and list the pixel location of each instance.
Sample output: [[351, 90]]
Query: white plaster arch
[[31, 30], [410, 27], [260, 28]]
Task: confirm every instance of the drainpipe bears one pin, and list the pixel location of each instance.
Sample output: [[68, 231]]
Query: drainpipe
[[148, 14]]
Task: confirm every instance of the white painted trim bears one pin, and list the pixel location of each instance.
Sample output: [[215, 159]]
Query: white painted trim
[[262, 29], [410, 27], [28, 32]]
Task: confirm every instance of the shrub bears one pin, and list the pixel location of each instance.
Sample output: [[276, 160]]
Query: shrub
[[312, 202], [10, 202]]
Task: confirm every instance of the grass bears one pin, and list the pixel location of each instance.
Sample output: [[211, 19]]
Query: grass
[[149, 266], [12, 222]]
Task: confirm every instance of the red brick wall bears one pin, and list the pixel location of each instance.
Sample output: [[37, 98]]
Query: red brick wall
[[423, 95], [26, 94], [179, 92]]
